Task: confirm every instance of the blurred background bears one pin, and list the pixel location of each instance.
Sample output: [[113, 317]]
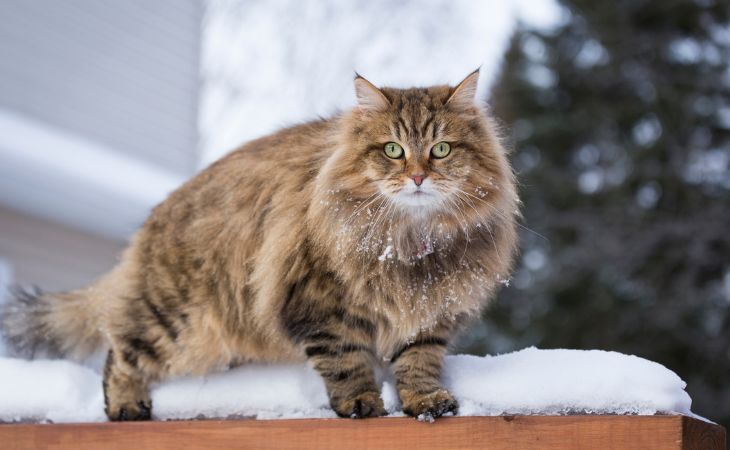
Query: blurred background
[[617, 114]]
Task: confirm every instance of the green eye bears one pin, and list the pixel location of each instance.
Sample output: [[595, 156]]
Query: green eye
[[393, 150], [441, 150]]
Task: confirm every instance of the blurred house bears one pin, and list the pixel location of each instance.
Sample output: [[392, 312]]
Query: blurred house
[[98, 111]]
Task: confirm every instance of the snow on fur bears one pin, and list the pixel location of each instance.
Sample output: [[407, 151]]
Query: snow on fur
[[529, 381]]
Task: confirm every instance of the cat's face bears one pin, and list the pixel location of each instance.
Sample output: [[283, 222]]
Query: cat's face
[[425, 149]]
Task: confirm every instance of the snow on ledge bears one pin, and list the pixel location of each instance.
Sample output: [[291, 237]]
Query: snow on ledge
[[529, 381]]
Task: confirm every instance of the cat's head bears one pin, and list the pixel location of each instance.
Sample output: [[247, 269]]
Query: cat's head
[[422, 149]]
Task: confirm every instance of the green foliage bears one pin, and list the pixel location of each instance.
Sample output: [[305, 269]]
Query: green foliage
[[620, 124]]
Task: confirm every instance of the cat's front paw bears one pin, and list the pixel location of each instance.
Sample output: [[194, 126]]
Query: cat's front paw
[[367, 404], [131, 410], [428, 406]]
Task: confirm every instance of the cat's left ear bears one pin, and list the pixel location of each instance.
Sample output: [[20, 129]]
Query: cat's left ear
[[369, 97], [464, 94]]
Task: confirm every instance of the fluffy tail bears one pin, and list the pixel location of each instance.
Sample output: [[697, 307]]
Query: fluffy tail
[[37, 324]]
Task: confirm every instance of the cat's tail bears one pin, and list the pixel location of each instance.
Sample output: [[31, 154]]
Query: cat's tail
[[58, 325]]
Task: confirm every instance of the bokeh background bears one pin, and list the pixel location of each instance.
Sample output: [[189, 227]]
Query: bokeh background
[[617, 115]]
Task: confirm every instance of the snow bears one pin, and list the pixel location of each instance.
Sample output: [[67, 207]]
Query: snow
[[264, 392], [387, 253], [535, 381], [56, 391], [529, 381]]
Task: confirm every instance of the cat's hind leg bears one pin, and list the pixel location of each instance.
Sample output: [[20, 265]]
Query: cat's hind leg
[[126, 391], [144, 337]]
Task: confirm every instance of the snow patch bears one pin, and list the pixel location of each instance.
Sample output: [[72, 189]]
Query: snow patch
[[387, 253], [529, 381], [54, 391], [534, 381]]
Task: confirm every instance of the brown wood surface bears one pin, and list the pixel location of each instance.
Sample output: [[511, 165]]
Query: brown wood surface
[[506, 432]]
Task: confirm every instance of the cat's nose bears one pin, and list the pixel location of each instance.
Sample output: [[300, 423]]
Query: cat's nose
[[418, 179]]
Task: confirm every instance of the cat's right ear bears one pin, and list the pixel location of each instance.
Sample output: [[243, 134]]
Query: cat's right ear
[[464, 94], [369, 97]]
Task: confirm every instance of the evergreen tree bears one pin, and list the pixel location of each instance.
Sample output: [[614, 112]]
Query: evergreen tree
[[620, 124]]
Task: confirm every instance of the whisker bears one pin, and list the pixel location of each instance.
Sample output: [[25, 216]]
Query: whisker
[[502, 214], [371, 226], [465, 227], [367, 202], [487, 226]]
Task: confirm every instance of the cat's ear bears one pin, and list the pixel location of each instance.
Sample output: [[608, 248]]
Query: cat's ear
[[369, 97], [464, 94]]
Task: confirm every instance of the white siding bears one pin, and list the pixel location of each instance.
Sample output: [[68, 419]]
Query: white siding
[[122, 73], [52, 256]]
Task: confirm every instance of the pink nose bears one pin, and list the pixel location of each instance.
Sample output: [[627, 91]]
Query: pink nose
[[418, 179]]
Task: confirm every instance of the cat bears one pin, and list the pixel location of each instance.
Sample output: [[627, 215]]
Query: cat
[[370, 237]]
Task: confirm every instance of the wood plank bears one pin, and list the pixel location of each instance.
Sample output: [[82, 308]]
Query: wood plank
[[506, 432], [697, 435]]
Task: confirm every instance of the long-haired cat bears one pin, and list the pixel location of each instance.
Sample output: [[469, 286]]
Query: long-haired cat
[[372, 236]]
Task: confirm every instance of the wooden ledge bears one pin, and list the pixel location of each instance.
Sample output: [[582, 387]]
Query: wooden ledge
[[505, 432]]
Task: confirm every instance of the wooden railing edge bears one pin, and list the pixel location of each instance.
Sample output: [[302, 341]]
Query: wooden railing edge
[[500, 432]]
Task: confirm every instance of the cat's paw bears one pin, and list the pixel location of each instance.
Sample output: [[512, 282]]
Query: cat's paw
[[429, 406], [133, 410], [367, 404]]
